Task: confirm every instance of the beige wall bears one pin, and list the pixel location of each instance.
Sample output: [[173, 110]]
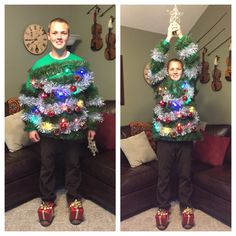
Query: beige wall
[[139, 97], [214, 107], [18, 60]]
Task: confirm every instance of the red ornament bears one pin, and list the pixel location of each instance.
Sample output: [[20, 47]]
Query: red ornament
[[77, 109], [77, 78], [63, 124], [56, 132], [167, 120], [184, 98], [73, 88], [51, 113], [190, 115], [162, 103], [179, 128], [44, 95], [69, 111]]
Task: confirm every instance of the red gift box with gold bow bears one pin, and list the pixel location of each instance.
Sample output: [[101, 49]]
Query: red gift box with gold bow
[[162, 217], [187, 217], [76, 210], [46, 212]]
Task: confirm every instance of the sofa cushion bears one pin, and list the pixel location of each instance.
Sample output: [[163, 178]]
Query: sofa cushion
[[134, 179], [138, 149], [15, 136], [105, 134], [102, 167], [22, 163], [211, 149], [138, 126], [216, 181]]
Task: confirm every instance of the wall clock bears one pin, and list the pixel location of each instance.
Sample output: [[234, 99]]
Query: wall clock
[[35, 39], [145, 74]]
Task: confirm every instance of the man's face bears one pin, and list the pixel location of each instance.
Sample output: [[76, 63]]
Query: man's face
[[175, 70], [58, 35]]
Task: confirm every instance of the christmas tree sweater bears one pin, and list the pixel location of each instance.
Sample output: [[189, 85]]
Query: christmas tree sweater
[[175, 117], [59, 98]]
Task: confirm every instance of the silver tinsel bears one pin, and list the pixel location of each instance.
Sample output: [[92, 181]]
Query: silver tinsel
[[97, 101], [158, 76], [86, 81], [96, 117], [157, 56], [29, 101], [188, 51], [173, 115], [192, 73]]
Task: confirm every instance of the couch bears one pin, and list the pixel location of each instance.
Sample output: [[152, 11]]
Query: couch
[[212, 183], [22, 167]]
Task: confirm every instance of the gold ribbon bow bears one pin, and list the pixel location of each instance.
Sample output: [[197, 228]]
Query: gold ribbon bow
[[76, 204]]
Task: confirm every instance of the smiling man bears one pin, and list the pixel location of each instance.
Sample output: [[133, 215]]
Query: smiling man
[[60, 105]]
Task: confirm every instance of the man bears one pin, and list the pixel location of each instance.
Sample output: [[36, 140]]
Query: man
[[61, 106]]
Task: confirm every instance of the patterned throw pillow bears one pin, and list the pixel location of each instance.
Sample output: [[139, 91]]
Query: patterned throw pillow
[[139, 126]]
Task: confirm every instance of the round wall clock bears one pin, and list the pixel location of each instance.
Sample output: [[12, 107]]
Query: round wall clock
[[145, 74], [35, 39]]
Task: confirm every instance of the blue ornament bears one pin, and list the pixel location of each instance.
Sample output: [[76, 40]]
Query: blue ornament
[[35, 110], [60, 94], [175, 105], [82, 71], [185, 85]]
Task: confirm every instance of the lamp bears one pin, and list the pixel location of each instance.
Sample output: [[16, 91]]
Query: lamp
[[72, 42]]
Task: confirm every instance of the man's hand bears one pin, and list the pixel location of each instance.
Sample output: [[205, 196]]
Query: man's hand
[[174, 27], [34, 136], [91, 134]]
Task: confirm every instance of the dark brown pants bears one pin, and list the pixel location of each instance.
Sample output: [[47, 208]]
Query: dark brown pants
[[50, 150], [178, 156]]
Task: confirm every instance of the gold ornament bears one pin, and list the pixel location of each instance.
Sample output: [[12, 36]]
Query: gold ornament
[[47, 126], [80, 103]]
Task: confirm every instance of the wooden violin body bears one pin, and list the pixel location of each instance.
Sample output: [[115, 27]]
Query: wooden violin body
[[216, 84], [96, 41], [228, 70], [110, 51], [205, 76]]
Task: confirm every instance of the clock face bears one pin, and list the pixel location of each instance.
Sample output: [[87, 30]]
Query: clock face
[[145, 74], [35, 39]]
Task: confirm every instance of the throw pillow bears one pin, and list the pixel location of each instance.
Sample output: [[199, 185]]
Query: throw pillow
[[137, 149], [105, 133], [15, 136], [211, 149], [137, 127]]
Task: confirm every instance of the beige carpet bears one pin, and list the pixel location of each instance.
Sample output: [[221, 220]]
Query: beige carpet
[[145, 221], [24, 217]]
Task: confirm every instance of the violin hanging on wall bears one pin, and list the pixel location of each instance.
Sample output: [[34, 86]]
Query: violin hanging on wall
[[216, 84], [205, 76], [96, 41], [228, 63], [110, 51]]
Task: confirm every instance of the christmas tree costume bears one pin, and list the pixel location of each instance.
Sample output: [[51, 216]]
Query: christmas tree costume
[[59, 99], [61, 103], [175, 118]]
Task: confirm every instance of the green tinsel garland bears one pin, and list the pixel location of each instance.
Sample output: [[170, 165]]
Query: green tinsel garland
[[66, 69]]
